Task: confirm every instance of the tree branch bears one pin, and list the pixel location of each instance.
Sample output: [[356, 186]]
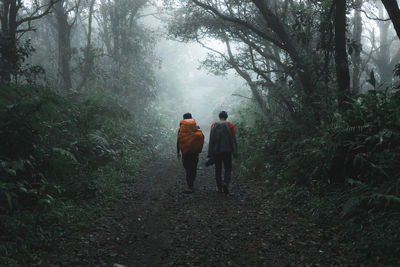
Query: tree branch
[[212, 49], [256, 69], [242, 96], [240, 22], [253, 45], [371, 18], [248, 79], [31, 18]]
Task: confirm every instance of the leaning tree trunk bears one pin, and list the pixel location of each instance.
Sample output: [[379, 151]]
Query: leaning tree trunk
[[393, 10], [342, 65]]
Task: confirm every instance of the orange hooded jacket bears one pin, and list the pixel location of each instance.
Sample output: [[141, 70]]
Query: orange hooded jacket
[[190, 137]]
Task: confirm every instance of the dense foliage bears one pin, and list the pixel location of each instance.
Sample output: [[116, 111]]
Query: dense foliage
[[322, 128], [69, 144], [344, 173], [57, 156]]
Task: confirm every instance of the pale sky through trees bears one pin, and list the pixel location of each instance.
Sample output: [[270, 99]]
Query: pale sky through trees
[[204, 94]]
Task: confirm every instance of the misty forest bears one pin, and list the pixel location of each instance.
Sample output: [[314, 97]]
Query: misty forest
[[98, 169]]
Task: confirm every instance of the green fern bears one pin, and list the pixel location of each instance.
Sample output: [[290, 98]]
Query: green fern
[[350, 205], [98, 140], [65, 153], [388, 199]]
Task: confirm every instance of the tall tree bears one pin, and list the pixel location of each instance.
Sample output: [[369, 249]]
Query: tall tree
[[384, 59], [88, 50], [65, 16], [342, 65], [268, 41], [128, 46], [16, 20], [383, 54], [357, 46]]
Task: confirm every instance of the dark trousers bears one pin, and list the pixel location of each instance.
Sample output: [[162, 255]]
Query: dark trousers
[[190, 164], [226, 159]]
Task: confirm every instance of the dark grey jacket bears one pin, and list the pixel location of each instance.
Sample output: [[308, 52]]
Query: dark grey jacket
[[222, 139]]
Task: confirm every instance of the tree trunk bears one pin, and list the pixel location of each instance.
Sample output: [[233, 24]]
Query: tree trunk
[[393, 10], [356, 55], [8, 45], [11, 19], [105, 26], [90, 20], [289, 44], [383, 55], [64, 45], [88, 64], [342, 66]]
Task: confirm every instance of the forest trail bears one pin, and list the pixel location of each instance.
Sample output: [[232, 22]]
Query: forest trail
[[156, 224]]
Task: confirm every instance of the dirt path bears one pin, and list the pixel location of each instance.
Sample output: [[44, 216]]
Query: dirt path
[[156, 224]]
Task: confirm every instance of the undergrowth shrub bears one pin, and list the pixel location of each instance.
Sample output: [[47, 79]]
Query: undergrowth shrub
[[56, 156], [345, 172]]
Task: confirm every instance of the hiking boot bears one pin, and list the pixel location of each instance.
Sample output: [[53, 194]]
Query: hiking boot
[[209, 162], [190, 190], [225, 189]]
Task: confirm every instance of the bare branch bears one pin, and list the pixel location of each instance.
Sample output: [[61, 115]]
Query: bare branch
[[76, 7], [35, 17], [256, 69], [212, 49], [242, 96], [373, 18], [247, 78], [257, 48], [150, 14]]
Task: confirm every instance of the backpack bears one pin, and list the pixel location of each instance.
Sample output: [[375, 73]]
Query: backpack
[[221, 139], [190, 138]]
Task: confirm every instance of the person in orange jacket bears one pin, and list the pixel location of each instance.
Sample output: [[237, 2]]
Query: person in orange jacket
[[190, 142]]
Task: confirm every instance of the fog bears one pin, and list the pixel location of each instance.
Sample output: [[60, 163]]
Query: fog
[[92, 93], [137, 54], [151, 55], [190, 89], [185, 86]]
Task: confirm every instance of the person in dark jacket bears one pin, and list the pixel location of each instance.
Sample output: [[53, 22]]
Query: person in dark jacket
[[221, 147]]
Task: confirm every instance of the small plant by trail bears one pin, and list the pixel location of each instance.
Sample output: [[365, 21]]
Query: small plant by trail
[[58, 158], [344, 173]]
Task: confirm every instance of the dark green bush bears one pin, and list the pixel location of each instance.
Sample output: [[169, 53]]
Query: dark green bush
[[345, 172], [56, 153]]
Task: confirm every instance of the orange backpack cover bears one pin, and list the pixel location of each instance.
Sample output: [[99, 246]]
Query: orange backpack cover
[[190, 138]]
